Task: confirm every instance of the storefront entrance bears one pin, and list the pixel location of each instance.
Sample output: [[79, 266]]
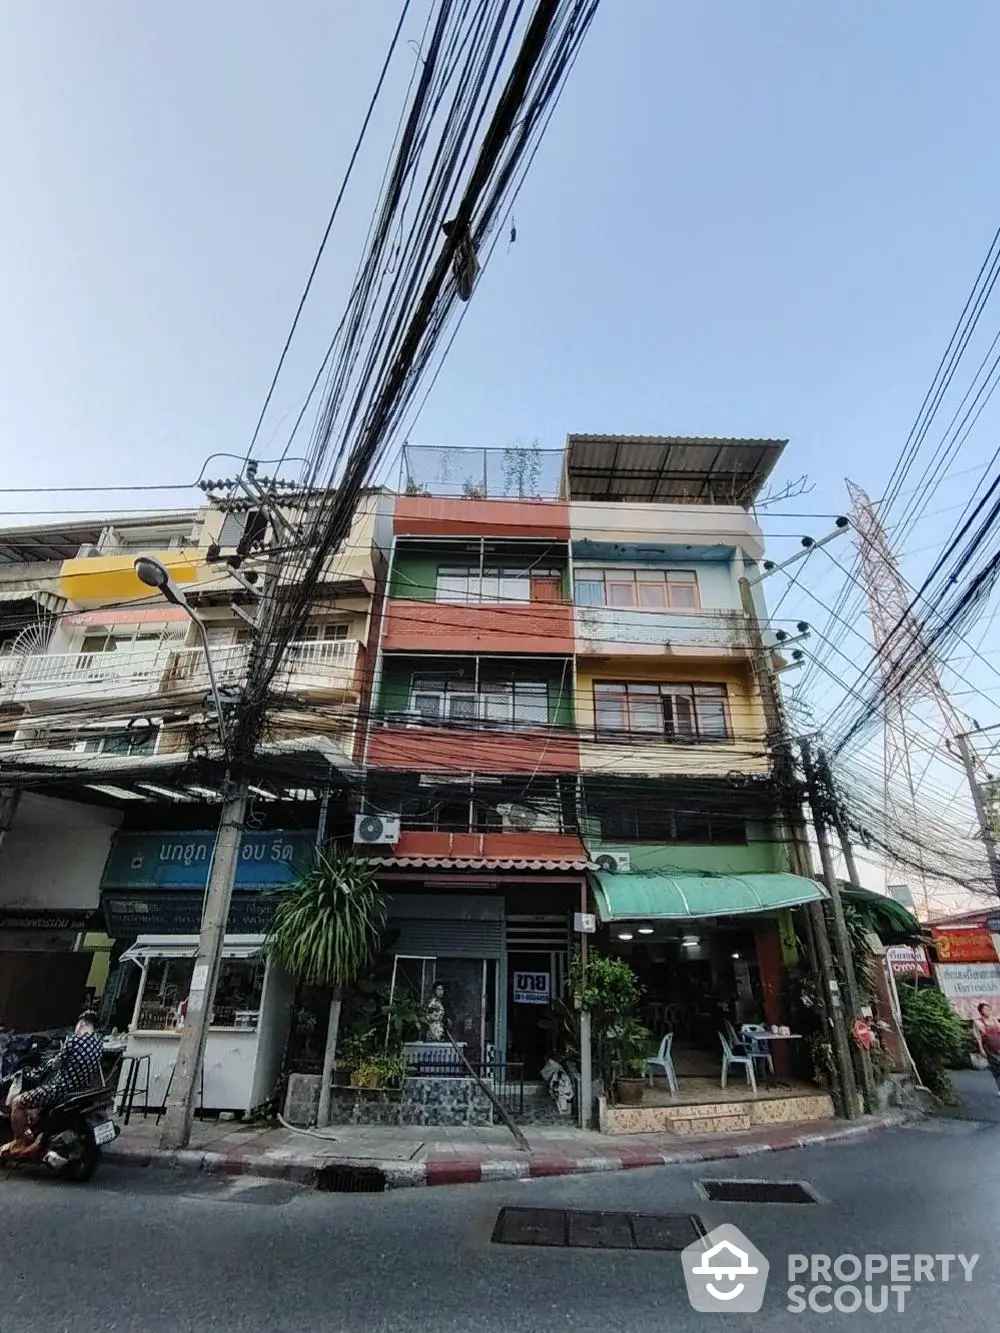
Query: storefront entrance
[[530, 984]]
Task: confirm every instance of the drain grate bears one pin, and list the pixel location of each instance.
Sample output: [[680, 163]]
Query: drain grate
[[575, 1229], [340, 1179], [756, 1191]]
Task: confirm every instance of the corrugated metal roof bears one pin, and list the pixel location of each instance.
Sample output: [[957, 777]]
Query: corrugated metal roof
[[478, 863], [668, 469]]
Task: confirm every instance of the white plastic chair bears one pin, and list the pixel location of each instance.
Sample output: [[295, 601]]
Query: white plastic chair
[[729, 1058], [757, 1049], [663, 1060]]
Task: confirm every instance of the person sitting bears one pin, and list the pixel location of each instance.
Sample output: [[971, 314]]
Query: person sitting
[[76, 1068]]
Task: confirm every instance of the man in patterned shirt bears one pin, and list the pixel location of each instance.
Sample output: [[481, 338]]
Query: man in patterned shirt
[[76, 1068]]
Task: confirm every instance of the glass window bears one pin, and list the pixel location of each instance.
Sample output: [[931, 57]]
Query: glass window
[[546, 587], [682, 587], [168, 981], [427, 705], [652, 595], [678, 715], [462, 707], [496, 703], [621, 591], [674, 711], [588, 590], [610, 702], [453, 585], [531, 703], [515, 586], [237, 996]]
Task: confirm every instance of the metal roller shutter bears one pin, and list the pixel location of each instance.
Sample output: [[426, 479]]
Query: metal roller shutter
[[449, 939]]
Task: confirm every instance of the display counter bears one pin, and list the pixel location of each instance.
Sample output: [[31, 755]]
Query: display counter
[[246, 1040]]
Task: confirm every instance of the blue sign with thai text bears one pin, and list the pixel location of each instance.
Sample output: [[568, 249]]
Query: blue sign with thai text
[[181, 860]]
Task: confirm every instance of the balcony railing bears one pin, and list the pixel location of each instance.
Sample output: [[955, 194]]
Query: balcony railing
[[323, 664]]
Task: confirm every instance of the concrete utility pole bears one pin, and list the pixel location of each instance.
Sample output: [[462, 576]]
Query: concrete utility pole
[[982, 814], [800, 856], [186, 1077], [814, 772], [586, 1049]]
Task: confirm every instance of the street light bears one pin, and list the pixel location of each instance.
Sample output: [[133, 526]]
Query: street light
[[155, 574]]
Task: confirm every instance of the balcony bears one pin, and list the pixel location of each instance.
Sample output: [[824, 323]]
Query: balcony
[[611, 631], [327, 666]]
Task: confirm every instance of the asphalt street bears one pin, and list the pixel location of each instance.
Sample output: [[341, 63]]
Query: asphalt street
[[146, 1251]]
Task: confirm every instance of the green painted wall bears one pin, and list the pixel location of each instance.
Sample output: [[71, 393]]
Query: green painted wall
[[759, 856], [414, 575], [398, 671]]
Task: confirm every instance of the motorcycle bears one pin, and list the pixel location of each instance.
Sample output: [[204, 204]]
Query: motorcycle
[[70, 1135]]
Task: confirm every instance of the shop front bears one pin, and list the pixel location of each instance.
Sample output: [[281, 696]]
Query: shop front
[[718, 961], [51, 861], [152, 894]]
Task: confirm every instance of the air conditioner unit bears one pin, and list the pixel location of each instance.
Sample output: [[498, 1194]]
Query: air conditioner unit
[[518, 817], [614, 863], [382, 829]]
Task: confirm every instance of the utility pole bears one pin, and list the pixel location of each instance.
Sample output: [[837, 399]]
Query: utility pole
[[261, 510], [814, 772], [586, 1051], [800, 856], [186, 1077], [982, 814]]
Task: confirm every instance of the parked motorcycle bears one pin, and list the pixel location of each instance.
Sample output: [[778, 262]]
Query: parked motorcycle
[[69, 1136]]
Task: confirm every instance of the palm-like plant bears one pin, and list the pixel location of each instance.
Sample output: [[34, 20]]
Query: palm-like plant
[[325, 932]]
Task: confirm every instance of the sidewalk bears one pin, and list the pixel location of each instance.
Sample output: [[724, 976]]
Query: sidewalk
[[407, 1156]]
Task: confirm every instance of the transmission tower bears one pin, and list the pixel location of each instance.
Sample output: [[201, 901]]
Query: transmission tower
[[899, 642]]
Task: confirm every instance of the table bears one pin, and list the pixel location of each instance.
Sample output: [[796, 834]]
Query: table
[[755, 1034]]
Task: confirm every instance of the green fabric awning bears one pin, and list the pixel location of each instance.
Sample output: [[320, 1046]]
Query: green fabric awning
[[889, 919], [655, 897]]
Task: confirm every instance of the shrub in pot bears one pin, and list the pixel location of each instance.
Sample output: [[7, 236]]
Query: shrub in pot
[[629, 1042]]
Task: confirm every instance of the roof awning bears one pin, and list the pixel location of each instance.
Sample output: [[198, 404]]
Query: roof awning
[[186, 946], [655, 897]]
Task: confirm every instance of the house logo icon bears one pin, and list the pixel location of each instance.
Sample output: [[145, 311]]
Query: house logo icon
[[725, 1272]]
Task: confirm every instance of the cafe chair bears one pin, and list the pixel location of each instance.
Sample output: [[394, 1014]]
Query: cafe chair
[[663, 1060], [730, 1058], [757, 1049]]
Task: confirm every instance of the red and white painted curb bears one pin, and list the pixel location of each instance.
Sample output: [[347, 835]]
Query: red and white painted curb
[[445, 1169]]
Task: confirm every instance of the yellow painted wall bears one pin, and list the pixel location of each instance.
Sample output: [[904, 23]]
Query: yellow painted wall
[[102, 579], [633, 758]]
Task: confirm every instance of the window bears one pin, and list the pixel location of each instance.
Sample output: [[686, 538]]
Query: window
[[324, 632], [672, 711], [628, 820], [464, 586], [168, 981], [645, 589], [500, 703]]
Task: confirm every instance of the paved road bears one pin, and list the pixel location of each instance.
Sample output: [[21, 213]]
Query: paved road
[[153, 1252]]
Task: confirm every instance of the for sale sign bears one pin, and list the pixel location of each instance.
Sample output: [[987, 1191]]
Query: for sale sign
[[532, 987]]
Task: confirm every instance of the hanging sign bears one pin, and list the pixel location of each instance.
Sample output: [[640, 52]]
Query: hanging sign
[[903, 959], [585, 923], [863, 1034], [532, 987]]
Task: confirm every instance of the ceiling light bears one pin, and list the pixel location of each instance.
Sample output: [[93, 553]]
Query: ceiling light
[[690, 941], [735, 955], [624, 934], [645, 930]]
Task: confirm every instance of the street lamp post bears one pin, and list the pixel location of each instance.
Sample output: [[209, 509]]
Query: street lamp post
[[186, 1076]]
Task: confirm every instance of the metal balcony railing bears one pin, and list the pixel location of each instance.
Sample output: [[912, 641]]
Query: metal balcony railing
[[147, 673]]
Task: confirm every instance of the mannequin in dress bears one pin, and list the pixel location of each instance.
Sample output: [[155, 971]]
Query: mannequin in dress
[[435, 1014]]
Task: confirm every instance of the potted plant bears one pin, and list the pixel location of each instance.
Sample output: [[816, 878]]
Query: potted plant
[[325, 932], [630, 1046]]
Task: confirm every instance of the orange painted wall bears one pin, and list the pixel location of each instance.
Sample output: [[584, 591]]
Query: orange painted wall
[[438, 749], [511, 627], [515, 846], [430, 516]]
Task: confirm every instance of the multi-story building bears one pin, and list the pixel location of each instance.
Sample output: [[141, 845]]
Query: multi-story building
[[107, 728], [564, 700]]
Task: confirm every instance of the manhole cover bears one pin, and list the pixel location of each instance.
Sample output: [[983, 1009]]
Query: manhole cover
[[341, 1179], [756, 1191], [596, 1231]]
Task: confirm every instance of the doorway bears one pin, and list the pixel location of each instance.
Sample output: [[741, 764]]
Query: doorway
[[530, 987]]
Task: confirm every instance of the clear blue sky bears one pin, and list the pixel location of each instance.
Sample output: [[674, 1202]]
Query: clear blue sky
[[746, 219]]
